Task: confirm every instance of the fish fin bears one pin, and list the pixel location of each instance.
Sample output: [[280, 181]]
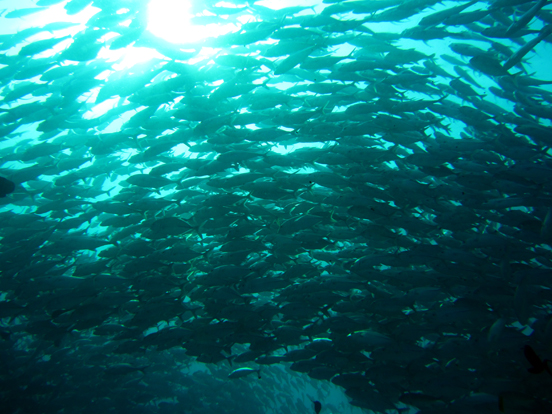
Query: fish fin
[[534, 360]]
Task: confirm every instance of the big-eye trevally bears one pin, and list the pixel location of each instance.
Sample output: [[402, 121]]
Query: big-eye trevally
[[354, 195]]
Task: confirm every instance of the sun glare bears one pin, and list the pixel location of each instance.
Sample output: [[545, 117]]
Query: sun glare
[[170, 20]]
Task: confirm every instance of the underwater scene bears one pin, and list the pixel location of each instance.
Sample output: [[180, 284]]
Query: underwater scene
[[275, 207]]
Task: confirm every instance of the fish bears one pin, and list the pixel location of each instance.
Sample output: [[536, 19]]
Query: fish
[[6, 187], [442, 15], [488, 66], [40, 46], [244, 372], [537, 365], [526, 48], [119, 370], [525, 18], [149, 181], [317, 407], [352, 195], [20, 13]]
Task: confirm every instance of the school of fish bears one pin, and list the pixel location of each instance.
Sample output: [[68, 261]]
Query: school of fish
[[306, 201]]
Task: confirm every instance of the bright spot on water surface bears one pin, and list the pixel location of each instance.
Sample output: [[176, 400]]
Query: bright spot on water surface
[[171, 20]]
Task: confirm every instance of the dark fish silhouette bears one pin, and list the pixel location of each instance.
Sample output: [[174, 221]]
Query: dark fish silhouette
[[6, 187], [538, 365], [317, 407]]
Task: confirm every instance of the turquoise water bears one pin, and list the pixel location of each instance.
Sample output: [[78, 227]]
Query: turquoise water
[[353, 197]]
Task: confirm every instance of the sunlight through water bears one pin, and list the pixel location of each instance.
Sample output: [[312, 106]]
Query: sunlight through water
[[172, 21]]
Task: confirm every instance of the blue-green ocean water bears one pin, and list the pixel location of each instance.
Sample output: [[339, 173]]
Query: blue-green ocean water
[[351, 198]]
